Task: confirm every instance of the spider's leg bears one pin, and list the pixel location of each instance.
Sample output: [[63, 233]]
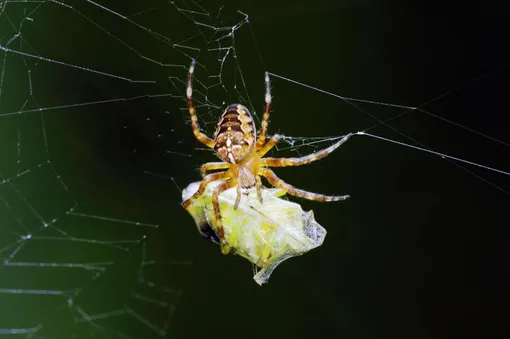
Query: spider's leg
[[265, 117], [284, 162], [210, 166], [277, 182], [225, 249], [194, 120], [203, 184], [270, 144]]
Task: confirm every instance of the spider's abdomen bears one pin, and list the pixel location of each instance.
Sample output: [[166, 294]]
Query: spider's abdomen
[[234, 139]]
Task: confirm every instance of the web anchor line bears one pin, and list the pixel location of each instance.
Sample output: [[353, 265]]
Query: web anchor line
[[442, 155], [353, 102], [408, 109]]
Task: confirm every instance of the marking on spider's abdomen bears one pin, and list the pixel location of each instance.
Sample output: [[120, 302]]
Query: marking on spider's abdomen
[[235, 134]]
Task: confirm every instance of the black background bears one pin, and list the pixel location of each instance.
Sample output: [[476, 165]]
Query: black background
[[420, 251]]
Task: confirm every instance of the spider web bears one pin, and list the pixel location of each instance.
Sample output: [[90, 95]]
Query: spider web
[[96, 145]]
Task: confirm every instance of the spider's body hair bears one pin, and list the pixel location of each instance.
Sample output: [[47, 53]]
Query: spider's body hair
[[234, 139]]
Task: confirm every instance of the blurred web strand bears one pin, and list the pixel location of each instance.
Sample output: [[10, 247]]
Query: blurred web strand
[[219, 35], [442, 155], [26, 224], [452, 159]]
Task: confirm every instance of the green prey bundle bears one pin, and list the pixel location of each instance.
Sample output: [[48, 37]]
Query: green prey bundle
[[264, 233]]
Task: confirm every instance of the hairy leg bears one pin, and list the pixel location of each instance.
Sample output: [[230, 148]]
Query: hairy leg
[[285, 162], [265, 116], [225, 249], [277, 182], [270, 144], [203, 184], [210, 166]]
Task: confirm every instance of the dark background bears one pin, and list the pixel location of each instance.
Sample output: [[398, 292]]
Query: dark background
[[420, 251]]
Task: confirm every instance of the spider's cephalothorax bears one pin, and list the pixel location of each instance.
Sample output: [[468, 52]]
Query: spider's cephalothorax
[[235, 143], [234, 139]]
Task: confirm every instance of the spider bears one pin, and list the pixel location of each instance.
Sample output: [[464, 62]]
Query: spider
[[242, 155]]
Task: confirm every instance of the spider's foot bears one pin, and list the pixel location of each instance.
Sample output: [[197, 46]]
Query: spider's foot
[[225, 248]]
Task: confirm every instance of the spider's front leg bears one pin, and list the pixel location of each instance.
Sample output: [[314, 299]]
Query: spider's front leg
[[225, 248]]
